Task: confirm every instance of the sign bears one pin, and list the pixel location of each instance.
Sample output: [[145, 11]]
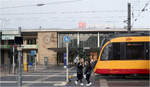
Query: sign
[[10, 32], [33, 52], [66, 39], [19, 40], [86, 48], [64, 59], [30, 46], [8, 37], [82, 25], [5, 46]]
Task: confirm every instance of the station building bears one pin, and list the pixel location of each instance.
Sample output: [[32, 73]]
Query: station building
[[48, 44]]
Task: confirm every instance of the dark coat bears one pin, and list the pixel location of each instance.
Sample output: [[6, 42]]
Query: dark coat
[[93, 64], [88, 69], [79, 68]]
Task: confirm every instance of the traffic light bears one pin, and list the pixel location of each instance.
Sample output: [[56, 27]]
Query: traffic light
[[18, 40]]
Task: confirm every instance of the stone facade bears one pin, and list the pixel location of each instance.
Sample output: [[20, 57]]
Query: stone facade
[[47, 40]]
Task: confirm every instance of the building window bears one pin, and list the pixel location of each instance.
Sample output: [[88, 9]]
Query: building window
[[73, 40], [88, 40], [31, 41]]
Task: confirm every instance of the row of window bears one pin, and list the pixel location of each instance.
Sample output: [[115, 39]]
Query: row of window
[[29, 41], [85, 40], [126, 51]]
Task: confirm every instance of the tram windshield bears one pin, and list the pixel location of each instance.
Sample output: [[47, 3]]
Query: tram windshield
[[126, 51]]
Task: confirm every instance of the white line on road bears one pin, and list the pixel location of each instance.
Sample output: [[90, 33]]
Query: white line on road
[[60, 84], [74, 74], [103, 83], [41, 79], [31, 82], [37, 75]]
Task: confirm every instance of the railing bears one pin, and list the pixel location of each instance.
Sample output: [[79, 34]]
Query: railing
[[5, 69]]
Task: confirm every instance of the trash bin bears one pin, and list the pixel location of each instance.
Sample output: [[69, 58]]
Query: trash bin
[[45, 61], [25, 67], [30, 66]]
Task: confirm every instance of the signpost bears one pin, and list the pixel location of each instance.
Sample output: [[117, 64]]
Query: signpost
[[67, 40], [64, 60], [13, 59], [19, 41]]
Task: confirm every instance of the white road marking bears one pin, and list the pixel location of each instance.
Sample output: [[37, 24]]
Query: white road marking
[[31, 82], [37, 75], [74, 74], [60, 84], [103, 83], [41, 79]]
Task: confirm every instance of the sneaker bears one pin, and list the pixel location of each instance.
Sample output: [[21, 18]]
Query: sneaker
[[76, 82], [81, 84], [89, 84]]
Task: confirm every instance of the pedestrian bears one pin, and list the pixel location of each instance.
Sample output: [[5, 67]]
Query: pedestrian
[[16, 65], [79, 72], [76, 60], [88, 71], [93, 63]]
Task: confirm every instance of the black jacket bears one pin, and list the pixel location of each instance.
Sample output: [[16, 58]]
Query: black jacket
[[93, 64], [79, 68], [88, 69]]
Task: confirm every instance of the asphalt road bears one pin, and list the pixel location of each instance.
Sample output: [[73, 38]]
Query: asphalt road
[[55, 76]]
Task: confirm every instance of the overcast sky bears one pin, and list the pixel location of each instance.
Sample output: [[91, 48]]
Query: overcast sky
[[66, 14]]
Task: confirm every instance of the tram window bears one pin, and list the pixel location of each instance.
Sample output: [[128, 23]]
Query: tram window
[[147, 50], [135, 50], [126, 51], [106, 52], [116, 51]]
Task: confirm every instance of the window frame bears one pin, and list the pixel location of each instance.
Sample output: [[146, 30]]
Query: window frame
[[123, 52]]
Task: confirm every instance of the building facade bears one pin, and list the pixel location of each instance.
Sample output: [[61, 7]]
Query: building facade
[[48, 46]]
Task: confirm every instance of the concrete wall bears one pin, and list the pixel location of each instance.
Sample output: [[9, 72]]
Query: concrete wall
[[47, 40], [6, 60]]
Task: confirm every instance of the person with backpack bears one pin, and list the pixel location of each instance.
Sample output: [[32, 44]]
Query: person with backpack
[[79, 71]]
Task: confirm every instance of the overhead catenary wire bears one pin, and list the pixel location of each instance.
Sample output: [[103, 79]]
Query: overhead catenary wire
[[41, 4], [141, 11], [69, 12]]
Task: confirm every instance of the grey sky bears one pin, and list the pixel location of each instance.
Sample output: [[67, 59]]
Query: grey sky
[[64, 14]]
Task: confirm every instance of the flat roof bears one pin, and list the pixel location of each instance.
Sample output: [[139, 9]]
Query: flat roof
[[78, 30]]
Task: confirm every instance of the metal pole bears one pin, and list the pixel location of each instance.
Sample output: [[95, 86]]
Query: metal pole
[[19, 63], [67, 72], [19, 68], [78, 39], [98, 39], [129, 17], [13, 59], [35, 63]]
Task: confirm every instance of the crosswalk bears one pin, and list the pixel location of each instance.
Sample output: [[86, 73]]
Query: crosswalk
[[44, 78]]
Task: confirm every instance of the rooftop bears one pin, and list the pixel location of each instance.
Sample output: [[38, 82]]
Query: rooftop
[[76, 30]]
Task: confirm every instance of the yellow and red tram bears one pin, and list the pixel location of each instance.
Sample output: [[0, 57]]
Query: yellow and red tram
[[126, 54]]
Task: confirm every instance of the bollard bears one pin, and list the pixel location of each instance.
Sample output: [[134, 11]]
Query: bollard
[[25, 67]]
